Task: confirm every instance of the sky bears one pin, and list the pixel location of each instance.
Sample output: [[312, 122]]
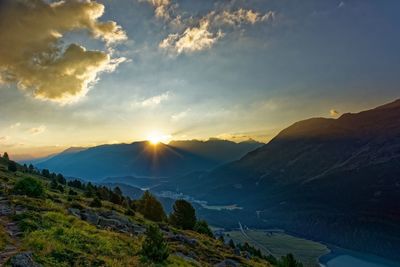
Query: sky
[[85, 73]]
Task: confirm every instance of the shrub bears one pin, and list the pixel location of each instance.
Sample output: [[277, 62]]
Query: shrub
[[202, 228], [154, 247], [30, 187], [183, 215], [72, 192], [60, 188], [12, 166], [232, 244], [130, 212], [96, 203], [289, 261]]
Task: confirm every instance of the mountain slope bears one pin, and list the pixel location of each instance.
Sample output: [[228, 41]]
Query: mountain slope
[[216, 149], [332, 179], [45, 226], [144, 159]]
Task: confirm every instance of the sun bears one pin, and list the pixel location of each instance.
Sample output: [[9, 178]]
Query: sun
[[156, 137]]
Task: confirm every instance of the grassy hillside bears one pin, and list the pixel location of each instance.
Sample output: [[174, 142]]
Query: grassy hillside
[[48, 227], [278, 243]]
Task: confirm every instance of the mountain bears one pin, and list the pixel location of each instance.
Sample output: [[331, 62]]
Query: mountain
[[336, 180], [143, 159]]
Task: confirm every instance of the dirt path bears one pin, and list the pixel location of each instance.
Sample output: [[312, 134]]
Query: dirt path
[[6, 211]]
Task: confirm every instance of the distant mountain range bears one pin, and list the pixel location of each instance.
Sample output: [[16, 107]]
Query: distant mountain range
[[143, 159], [332, 179]]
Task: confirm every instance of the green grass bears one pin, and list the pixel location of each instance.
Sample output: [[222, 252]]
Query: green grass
[[280, 244], [62, 240]]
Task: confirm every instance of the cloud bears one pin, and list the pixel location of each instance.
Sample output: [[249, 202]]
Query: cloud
[[153, 101], [195, 34], [179, 116], [37, 130], [4, 139], [15, 125], [192, 39], [241, 16], [32, 53], [162, 8], [334, 112]]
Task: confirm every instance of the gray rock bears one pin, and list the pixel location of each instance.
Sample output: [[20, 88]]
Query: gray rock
[[138, 229], [109, 223], [74, 212], [90, 216], [183, 239], [227, 263], [23, 259]]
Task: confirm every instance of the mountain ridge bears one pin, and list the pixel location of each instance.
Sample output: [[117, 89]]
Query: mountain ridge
[[144, 159], [330, 179]]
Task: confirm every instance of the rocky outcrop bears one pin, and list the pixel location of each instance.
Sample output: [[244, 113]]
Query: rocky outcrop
[[182, 239], [110, 220]]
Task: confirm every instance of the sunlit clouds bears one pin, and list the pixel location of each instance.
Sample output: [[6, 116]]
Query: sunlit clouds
[[192, 39], [33, 55], [37, 130], [334, 113], [202, 33], [152, 101], [162, 8], [241, 16]]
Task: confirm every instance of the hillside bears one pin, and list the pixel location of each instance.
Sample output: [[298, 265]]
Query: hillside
[[60, 227], [336, 180], [144, 159], [217, 150]]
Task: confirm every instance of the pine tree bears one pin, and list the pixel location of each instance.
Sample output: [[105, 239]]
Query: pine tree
[[5, 156], [183, 215], [31, 168], [12, 166], [154, 246], [151, 208], [232, 244], [289, 261]]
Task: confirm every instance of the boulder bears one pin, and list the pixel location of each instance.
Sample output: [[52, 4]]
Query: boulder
[[183, 239], [227, 263], [23, 259], [90, 216]]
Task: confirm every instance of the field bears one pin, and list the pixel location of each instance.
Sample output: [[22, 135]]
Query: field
[[279, 243]]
